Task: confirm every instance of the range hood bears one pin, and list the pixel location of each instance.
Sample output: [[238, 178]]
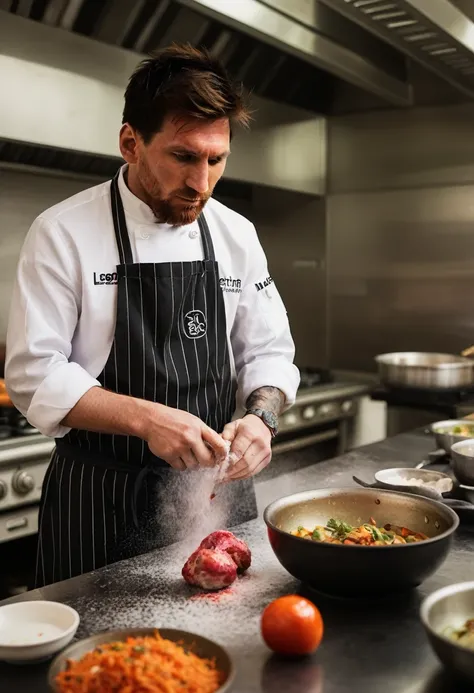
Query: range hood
[[65, 64], [435, 33], [292, 51]]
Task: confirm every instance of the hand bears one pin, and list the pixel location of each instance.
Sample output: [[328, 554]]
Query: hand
[[182, 439], [251, 446]]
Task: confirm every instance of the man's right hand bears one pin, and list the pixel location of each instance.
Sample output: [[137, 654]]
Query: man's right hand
[[182, 439]]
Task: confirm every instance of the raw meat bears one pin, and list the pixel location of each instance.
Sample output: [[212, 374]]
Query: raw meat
[[209, 569], [217, 561], [225, 541]]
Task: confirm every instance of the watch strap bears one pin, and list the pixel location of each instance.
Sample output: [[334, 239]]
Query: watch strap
[[268, 417]]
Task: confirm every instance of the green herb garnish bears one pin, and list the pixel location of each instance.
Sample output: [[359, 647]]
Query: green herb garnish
[[338, 528]]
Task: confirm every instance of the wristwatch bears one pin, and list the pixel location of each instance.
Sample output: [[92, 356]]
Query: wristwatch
[[268, 418]]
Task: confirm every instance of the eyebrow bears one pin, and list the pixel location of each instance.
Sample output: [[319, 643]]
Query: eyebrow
[[195, 153]]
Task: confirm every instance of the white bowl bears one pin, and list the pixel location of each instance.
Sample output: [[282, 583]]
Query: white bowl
[[35, 630]]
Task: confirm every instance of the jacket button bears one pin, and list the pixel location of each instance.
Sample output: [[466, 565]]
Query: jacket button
[[193, 233], [145, 235]]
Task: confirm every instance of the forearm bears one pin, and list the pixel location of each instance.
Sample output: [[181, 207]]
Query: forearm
[[179, 438], [267, 398], [102, 411]]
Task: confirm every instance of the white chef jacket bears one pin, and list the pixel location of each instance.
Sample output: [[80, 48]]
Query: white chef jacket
[[63, 311]]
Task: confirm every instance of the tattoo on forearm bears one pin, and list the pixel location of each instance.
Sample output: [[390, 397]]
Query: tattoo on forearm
[[269, 398]]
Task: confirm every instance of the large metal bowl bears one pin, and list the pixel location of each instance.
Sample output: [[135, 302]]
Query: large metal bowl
[[357, 570], [450, 607], [425, 370], [462, 461]]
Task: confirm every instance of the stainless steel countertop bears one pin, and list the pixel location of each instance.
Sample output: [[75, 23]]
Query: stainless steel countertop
[[369, 646]]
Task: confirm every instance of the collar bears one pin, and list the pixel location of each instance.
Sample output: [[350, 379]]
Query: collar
[[133, 206]]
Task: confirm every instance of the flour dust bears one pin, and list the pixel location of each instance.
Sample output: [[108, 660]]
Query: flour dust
[[187, 506]]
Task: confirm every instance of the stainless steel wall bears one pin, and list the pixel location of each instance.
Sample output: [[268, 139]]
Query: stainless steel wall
[[400, 233], [292, 229]]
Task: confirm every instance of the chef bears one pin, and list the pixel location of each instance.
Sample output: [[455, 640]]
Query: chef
[[143, 313]]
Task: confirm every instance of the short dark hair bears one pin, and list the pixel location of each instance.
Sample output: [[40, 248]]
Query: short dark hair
[[184, 80]]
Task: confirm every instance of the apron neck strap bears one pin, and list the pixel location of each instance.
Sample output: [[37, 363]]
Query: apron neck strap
[[121, 231], [207, 245], [120, 225]]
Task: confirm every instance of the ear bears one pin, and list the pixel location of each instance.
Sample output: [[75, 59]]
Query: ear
[[128, 144]]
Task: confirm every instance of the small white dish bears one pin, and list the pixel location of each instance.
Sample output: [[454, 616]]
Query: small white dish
[[35, 630], [398, 477]]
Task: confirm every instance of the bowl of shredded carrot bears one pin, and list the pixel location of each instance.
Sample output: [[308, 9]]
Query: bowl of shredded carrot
[[142, 660]]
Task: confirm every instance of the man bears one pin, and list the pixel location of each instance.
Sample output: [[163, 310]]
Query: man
[[136, 319]]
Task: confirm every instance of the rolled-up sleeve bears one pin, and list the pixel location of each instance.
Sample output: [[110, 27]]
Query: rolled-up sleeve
[[261, 338], [43, 384]]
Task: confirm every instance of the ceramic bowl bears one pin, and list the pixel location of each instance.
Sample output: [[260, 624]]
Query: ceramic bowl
[[35, 630]]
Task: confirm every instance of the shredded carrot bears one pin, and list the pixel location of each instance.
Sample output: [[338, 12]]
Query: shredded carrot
[[149, 664]]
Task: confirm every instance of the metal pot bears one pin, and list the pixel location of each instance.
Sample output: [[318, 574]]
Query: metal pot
[[444, 435], [444, 609], [360, 570], [425, 370]]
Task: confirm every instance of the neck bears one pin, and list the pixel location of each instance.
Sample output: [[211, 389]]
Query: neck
[[133, 184]]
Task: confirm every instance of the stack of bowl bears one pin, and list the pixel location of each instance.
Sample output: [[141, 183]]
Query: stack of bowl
[[462, 460]]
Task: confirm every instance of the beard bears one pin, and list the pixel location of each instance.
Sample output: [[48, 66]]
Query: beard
[[171, 209]]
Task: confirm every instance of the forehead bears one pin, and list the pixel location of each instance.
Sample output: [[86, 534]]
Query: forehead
[[195, 134]]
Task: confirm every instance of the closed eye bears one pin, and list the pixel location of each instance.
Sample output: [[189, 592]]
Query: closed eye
[[188, 158], [185, 158]]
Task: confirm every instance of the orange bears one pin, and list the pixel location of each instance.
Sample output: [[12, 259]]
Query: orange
[[292, 625]]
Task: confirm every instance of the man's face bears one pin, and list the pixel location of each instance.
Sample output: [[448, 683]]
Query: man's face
[[176, 172]]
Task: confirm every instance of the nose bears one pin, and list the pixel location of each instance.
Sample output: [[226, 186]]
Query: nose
[[198, 177]]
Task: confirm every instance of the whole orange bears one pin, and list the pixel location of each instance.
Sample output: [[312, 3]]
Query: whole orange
[[292, 625]]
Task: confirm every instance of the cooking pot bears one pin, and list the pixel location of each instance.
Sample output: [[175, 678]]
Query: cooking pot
[[360, 570], [425, 370]]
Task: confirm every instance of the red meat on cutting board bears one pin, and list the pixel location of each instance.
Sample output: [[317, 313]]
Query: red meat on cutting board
[[217, 561]]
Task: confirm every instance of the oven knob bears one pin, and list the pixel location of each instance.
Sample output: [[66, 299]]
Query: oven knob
[[324, 409], [3, 489], [346, 406], [290, 419], [23, 483], [309, 413]]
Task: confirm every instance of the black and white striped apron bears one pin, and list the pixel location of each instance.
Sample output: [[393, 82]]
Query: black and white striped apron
[[100, 498]]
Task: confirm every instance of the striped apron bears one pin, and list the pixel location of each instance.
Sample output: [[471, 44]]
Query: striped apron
[[101, 493]]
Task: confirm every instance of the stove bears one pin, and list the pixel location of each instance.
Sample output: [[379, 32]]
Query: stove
[[24, 459], [442, 400], [13, 424], [310, 377], [324, 410]]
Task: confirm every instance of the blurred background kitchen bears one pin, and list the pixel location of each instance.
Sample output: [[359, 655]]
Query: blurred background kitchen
[[358, 173]]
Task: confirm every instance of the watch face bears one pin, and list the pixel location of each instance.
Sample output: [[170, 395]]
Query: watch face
[[270, 419]]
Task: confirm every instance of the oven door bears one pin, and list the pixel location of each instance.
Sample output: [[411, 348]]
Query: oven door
[[327, 439], [293, 451]]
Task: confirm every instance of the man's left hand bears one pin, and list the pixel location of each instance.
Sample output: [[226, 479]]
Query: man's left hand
[[250, 446]]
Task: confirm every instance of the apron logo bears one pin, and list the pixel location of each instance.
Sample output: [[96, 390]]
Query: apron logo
[[195, 325]]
